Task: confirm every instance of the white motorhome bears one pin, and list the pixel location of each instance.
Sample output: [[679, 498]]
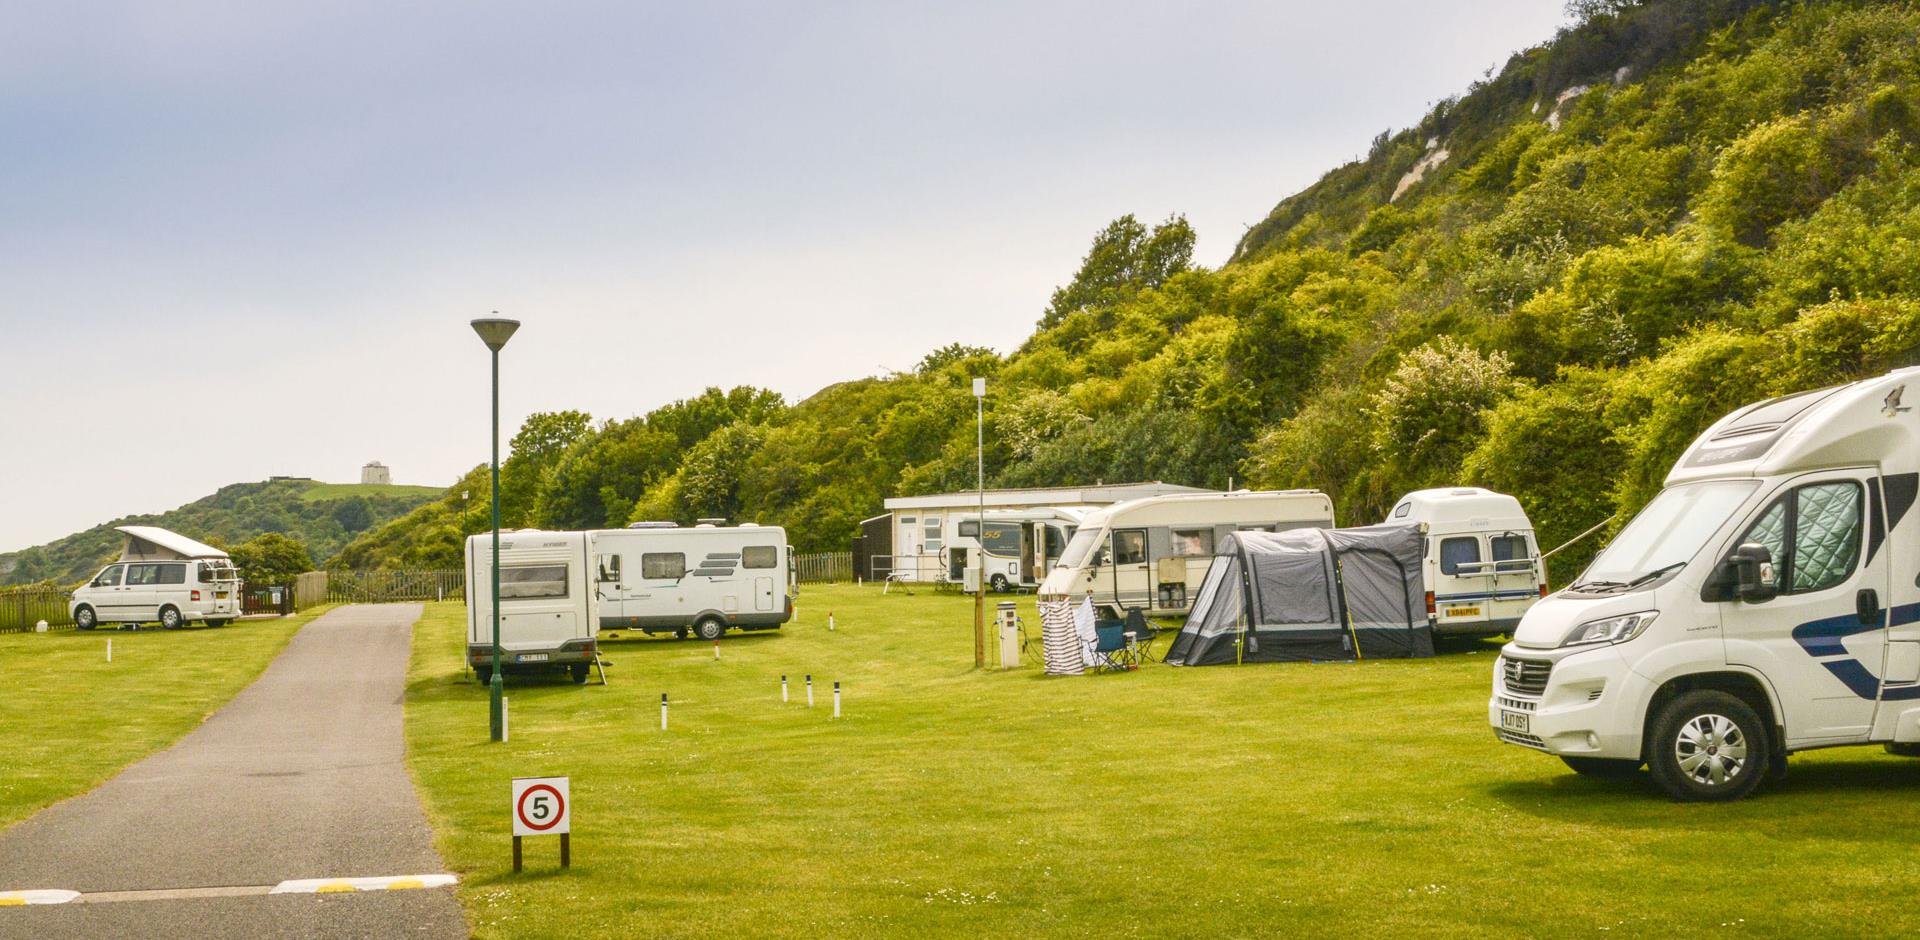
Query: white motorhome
[[1020, 546], [1153, 553], [546, 618], [162, 577], [705, 580], [1763, 603], [1482, 567]]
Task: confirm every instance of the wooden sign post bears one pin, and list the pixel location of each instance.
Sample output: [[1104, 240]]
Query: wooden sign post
[[542, 806]]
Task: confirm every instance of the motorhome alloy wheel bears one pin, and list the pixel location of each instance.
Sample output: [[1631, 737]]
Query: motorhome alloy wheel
[[710, 628]]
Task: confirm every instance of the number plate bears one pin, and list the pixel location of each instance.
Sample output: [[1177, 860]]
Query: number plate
[[1463, 611], [220, 595], [531, 658], [1516, 721]]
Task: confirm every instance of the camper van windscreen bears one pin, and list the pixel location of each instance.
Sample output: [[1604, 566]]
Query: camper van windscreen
[[533, 581]]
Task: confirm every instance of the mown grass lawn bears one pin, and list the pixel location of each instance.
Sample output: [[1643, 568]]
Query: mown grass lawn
[[69, 719], [1256, 800]]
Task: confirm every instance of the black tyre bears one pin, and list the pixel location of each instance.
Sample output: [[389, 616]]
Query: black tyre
[[218, 623], [680, 634], [83, 617], [170, 617], [1607, 767], [710, 628], [1902, 749], [579, 671], [1708, 746], [484, 674], [1000, 583]]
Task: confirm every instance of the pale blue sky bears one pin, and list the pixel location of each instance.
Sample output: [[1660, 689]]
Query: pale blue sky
[[284, 216]]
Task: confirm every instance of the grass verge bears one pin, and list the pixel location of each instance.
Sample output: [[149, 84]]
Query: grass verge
[[1325, 799], [71, 719]]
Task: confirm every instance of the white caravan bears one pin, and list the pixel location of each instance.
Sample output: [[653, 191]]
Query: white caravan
[[705, 580], [1153, 553], [1021, 546], [1763, 603], [162, 577], [1482, 568], [546, 621]]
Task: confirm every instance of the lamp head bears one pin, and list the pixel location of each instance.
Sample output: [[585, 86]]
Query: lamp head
[[495, 331], [979, 388]]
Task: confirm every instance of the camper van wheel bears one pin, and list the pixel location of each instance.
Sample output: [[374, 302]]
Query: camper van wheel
[[1708, 745], [83, 617], [710, 628], [579, 671], [1902, 748], [1608, 767], [170, 618], [1000, 583], [218, 623]]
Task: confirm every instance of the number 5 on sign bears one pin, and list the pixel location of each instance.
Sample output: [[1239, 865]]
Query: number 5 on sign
[[542, 806]]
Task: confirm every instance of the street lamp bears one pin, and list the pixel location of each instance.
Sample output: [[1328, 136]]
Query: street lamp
[[495, 332], [980, 525]]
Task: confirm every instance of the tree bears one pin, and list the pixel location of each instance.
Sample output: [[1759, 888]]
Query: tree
[[1125, 258], [535, 449], [352, 514], [271, 558], [1432, 408], [710, 476], [690, 420]]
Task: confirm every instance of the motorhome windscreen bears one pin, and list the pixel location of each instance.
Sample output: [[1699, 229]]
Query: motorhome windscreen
[[1082, 545], [522, 582], [1670, 530]]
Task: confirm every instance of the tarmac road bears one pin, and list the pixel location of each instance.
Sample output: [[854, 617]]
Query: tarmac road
[[301, 776]]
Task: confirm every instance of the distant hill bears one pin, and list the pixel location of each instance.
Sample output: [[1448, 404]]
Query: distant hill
[[323, 516]]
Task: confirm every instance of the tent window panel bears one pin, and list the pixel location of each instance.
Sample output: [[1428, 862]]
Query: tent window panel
[[1508, 547], [1192, 543], [1295, 587], [1455, 552], [663, 566], [1130, 547], [531, 581]]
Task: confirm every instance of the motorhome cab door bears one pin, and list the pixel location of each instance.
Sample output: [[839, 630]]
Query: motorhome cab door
[[1812, 637], [1132, 579]]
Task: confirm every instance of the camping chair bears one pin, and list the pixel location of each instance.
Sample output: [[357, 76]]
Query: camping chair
[[1140, 633], [1111, 650]]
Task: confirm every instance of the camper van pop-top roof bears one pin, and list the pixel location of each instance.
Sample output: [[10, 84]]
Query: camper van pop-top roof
[[152, 543]]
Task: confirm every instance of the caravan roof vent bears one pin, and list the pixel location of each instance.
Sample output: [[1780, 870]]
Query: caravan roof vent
[[711, 521], [653, 524]]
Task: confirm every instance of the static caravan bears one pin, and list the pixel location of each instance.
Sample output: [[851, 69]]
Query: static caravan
[[1482, 567], [1762, 603], [545, 621], [162, 577], [703, 580], [1153, 553], [925, 541], [1019, 546]]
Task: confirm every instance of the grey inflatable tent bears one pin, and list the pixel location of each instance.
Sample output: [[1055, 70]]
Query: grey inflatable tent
[[1309, 594]]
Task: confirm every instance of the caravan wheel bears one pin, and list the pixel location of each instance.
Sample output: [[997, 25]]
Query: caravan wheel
[[710, 628]]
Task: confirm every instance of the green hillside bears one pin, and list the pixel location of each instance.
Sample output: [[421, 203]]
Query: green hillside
[[322, 516], [1548, 286]]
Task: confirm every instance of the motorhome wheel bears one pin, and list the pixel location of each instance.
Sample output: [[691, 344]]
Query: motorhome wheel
[[1708, 746], [579, 671], [1602, 766], [170, 618], [710, 628], [83, 617], [1000, 583]]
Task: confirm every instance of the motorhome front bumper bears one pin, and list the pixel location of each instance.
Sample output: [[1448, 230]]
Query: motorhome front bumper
[[1577, 703]]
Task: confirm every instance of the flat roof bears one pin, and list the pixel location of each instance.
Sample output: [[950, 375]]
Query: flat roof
[[1099, 494]]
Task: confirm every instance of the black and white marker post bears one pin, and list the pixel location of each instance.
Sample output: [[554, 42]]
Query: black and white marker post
[[836, 698], [783, 689], [663, 711], [809, 690]]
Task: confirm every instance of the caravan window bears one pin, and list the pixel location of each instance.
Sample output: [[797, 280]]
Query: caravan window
[[968, 529], [610, 568], [1055, 541], [930, 534], [1192, 543], [760, 556], [531, 581], [1814, 532], [1455, 552], [1508, 547], [1130, 547], [663, 565]]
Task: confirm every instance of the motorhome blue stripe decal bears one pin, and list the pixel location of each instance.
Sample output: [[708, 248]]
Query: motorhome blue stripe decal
[[1823, 638]]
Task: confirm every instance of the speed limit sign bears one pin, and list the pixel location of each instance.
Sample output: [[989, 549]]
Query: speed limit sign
[[541, 806]]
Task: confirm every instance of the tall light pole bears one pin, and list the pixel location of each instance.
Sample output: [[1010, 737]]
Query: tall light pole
[[495, 332], [980, 525]]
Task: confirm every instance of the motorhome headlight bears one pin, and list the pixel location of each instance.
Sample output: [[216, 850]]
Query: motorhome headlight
[[1611, 630]]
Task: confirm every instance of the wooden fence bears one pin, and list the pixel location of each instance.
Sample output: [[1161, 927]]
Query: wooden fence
[[824, 567], [375, 587], [21, 609]]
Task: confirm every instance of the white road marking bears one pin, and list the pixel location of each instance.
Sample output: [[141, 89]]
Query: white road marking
[[36, 896], [347, 885]]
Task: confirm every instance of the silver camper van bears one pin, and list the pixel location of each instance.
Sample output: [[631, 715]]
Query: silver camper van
[[162, 577]]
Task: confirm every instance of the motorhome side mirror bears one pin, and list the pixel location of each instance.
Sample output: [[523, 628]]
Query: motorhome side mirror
[[1753, 572]]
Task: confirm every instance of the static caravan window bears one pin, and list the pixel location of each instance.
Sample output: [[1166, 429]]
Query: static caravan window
[[968, 528], [930, 539], [669, 565], [1130, 547], [609, 568], [1508, 547], [1455, 552], [760, 556], [533, 581], [1192, 543], [173, 574]]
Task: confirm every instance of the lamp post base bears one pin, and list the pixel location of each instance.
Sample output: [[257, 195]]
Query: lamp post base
[[497, 687]]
